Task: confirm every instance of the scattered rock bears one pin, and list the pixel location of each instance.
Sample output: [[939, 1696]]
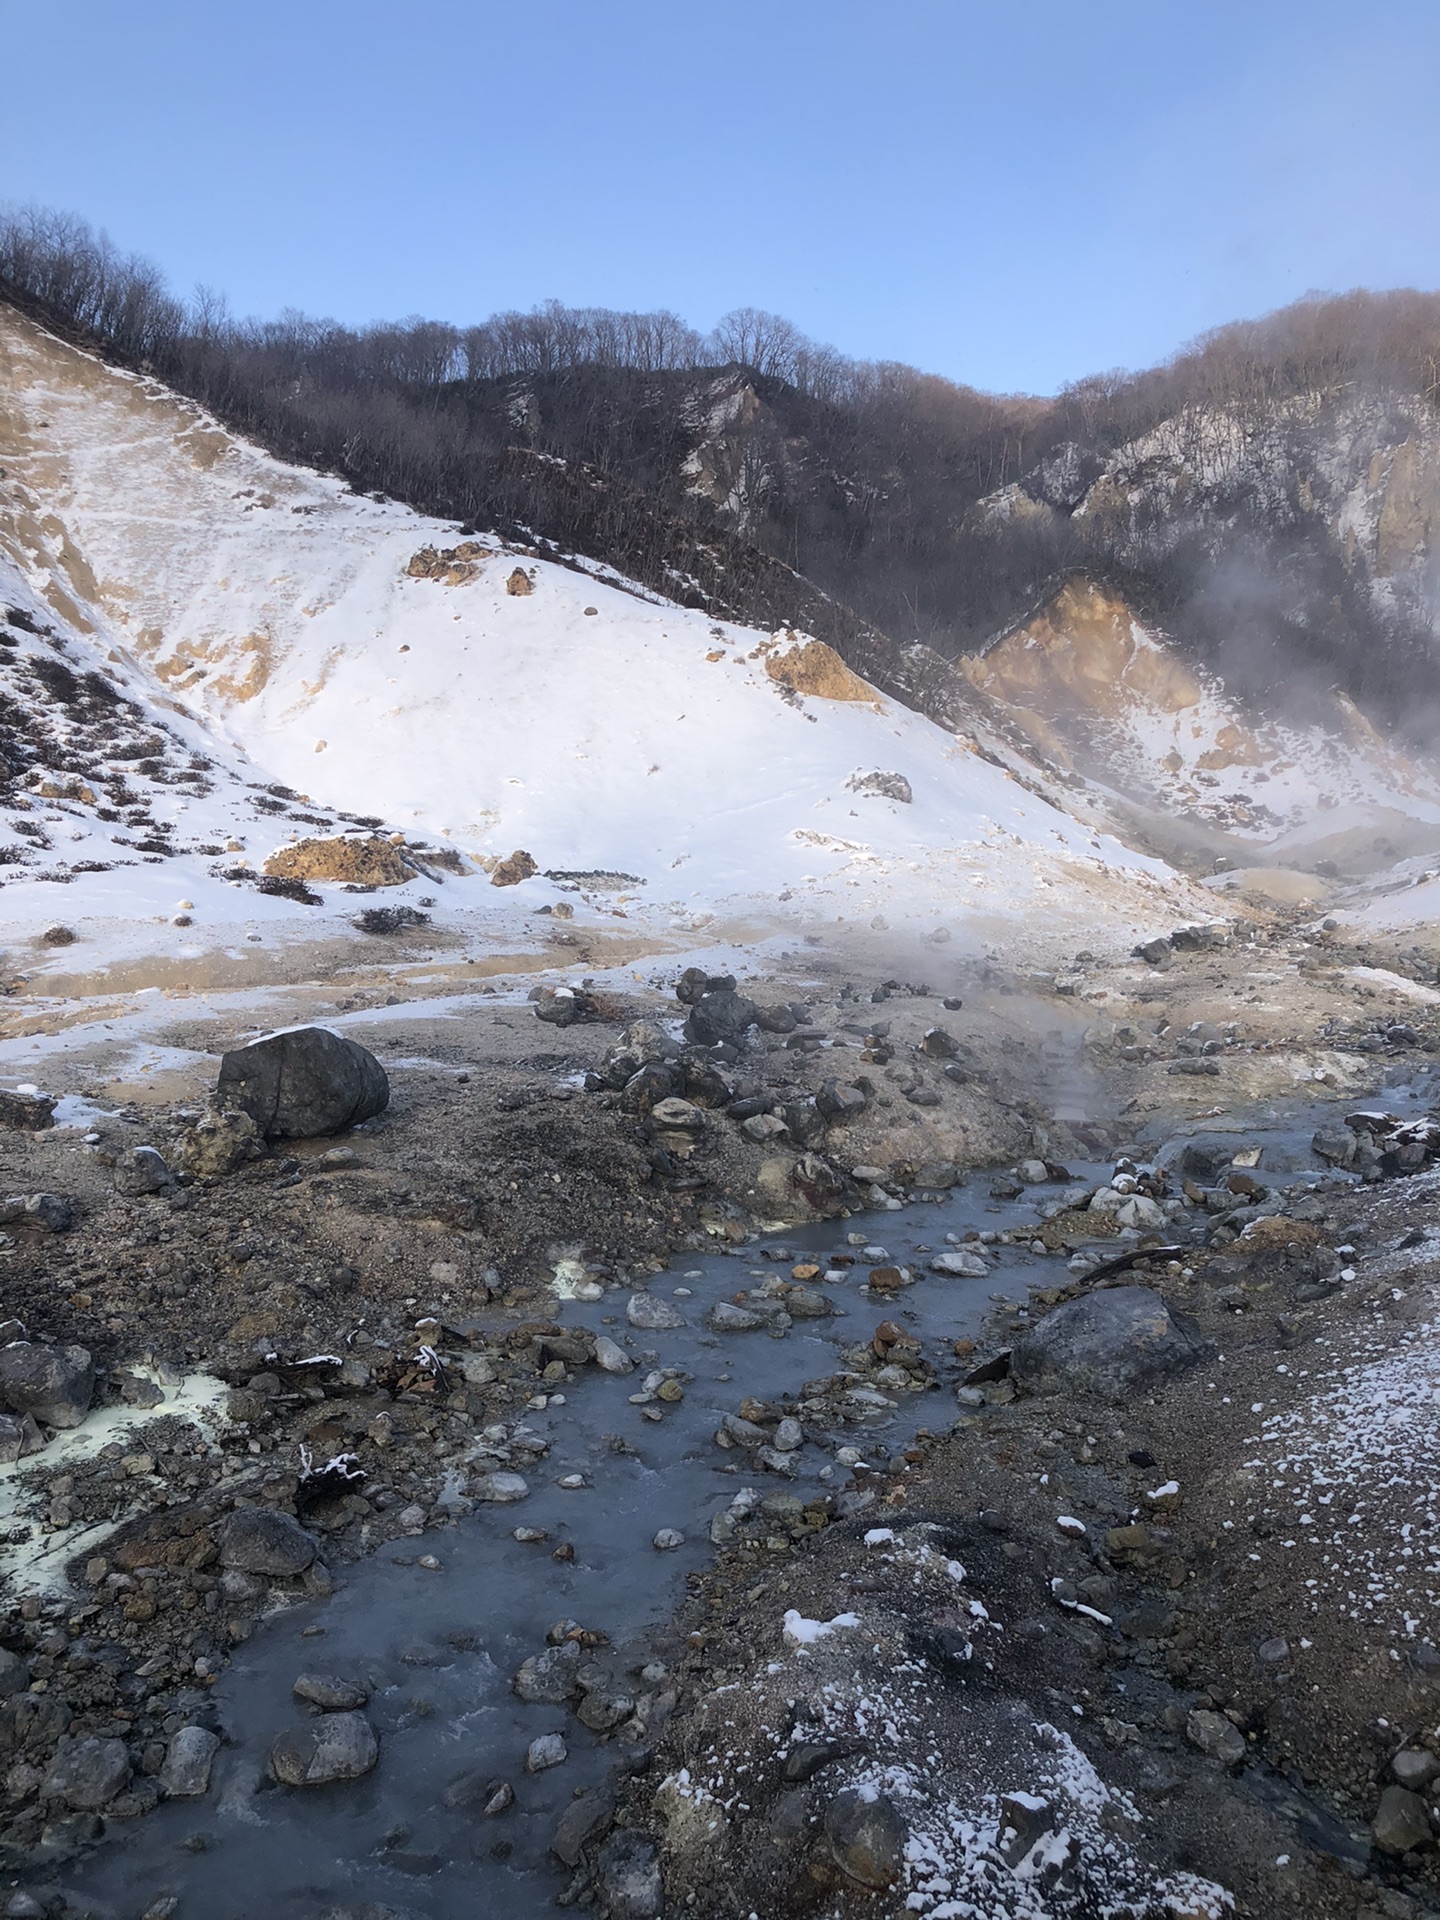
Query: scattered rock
[[610, 1357], [549, 1679], [330, 1692], [481, 1793], [303, 1083], [26, 1112], [185, 1774], [336, 1746], [1114, 1343], [548, 1751], [1401, 1821], [653, 1315], [37, 1213], [140, 1170], [53, 1385], [220, 1141], [867, 1837], [519, 865], [87, 1773], [961, 1264], [263, 1540], [1215, 1736], [627, 1876], [500, 1489], [519, 584], [891, 786]]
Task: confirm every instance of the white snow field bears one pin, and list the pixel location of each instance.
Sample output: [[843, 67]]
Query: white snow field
[[263, 617]]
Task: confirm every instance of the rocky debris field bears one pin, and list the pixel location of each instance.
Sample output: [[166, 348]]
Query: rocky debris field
[[1103, 1640]]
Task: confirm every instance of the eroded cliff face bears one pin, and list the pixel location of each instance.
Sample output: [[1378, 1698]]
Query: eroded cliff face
[[1101, 694]]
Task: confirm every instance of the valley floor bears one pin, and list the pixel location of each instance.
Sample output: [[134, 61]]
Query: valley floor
[[1205, 1715]]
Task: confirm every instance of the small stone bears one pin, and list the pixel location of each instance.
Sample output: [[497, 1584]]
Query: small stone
[[960, 1264], [1401, 1821], [627, 1873], [330, 1692], [547, 1751], [668, 1539], [480, 1793], [611, 1357], [336, 1746], [789, 1435], [501, 1489], [549, 1679], [185, 1772], [1215, 1736], [1414, 1768], [726, 1317], [653, 1315], [140, 1170]]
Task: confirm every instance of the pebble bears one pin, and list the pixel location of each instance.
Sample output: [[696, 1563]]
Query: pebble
[[330, 1692], [668, 1539], [336, 1746], [548, 1751], [572, 1482], [653, 1315], [500, 1488], [610, 1357], [529, 1536], [429, 1562]]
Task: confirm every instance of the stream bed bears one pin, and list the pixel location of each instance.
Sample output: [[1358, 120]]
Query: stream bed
[[437, 1647]]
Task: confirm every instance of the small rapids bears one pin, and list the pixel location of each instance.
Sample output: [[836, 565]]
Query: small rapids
[[437, 1647]]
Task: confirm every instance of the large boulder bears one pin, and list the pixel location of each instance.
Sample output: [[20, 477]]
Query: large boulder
[[51, 1384], [336, 1746], [302, 1083], [264, 1540], [722, 1017], [1113, 1343], [87, 1773]]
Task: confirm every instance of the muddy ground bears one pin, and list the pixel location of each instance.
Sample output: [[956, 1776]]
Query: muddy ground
[[385, 1295]]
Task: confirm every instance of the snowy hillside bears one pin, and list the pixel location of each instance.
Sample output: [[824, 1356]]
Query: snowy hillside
[[300, 638]]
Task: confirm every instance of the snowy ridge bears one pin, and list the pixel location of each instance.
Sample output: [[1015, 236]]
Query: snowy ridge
[[284, 625]]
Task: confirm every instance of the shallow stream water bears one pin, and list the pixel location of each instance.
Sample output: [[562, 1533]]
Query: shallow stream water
[[438, 1648]]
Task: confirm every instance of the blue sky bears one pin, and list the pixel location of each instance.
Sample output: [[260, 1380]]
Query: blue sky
[[1011, 194]]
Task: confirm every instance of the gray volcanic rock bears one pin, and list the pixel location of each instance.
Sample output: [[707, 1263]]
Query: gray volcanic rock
[[264, 1540], [51, 1384], [1114, 1343], [300, 1084], [336, 1746]]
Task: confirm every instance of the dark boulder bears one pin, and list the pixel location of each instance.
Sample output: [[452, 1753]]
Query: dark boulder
[[50, 1384], [306, 1082], [867, 1837], [26, 1112], [1115, 1343], [266, 1541], [722, 1017]]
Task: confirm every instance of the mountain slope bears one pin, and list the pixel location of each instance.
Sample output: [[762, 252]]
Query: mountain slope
[[306, 639]]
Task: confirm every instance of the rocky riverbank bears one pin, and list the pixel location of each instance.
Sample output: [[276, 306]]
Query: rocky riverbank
[[266, 1359]]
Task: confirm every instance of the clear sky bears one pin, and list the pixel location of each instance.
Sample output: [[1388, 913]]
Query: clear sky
[[1012, 193]]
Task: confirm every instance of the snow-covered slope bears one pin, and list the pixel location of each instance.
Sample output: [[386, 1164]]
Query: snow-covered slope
[[284, 630]]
